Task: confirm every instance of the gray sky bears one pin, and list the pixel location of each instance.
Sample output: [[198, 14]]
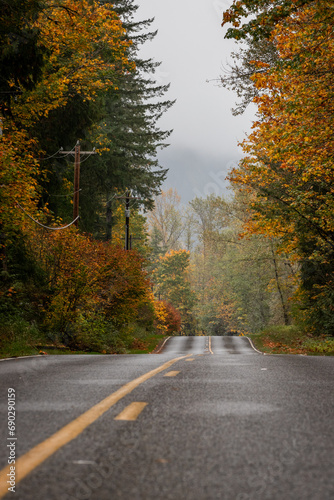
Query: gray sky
[[191, 45]]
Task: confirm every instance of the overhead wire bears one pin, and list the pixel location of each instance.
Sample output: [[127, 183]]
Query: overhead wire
[[88, 156], [42, 225], [52, 156], [116, 195], [71, 152], [64, 195], [133, 203]]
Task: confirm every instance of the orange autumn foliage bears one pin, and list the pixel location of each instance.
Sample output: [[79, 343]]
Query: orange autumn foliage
[[86, 277], [86, 49], [287, 173], [167, 318], [288, 170], [82, 283]]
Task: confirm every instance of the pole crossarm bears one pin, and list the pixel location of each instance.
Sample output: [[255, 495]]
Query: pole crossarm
[[81, 152], [130, 198]]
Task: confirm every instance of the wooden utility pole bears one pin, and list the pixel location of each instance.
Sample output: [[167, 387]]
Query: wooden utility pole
[[77, 157], [127, 221], [76, 183], [108, 221]]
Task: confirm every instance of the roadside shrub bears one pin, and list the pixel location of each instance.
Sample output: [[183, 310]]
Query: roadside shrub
[[92, 283], [17, 334], [321, 346], [168, 319], [96, 334]]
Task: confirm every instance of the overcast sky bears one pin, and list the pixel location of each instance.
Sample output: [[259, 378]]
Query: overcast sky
[[191, 46]]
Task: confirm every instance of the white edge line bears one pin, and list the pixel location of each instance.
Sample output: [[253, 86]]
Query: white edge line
[[251, 343], [163, 345], [210, 342], [24, 357]]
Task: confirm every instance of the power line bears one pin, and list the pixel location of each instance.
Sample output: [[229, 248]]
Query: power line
[[63, 195], [89, 154], [116, 195], [42, 225], [134, 203], [52, 156]]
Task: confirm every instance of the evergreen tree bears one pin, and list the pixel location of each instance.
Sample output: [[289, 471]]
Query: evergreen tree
[[130, 126], [122, 124], [21, 56], [172, 284]]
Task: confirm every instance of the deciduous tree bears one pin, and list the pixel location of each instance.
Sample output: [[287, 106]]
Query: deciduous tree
[[172, 284], [288, 168]]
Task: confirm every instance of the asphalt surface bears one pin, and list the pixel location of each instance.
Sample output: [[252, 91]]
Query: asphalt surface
[[232, 424]]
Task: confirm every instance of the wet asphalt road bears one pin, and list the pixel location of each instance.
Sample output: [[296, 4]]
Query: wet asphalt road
[[228, 423]]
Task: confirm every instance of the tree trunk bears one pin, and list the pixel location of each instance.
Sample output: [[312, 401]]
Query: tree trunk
[[108, 221], [284, 308]]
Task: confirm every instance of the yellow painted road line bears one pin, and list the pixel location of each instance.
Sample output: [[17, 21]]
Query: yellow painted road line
[[37, 455], [190, 359], [131, 412], [171, 374]]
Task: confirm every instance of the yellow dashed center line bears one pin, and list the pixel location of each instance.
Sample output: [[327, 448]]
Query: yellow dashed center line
[[171, 374], [37, 455], [131, 412]]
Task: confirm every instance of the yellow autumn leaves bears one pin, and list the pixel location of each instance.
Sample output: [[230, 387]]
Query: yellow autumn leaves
[[289, 162], [84, 50]]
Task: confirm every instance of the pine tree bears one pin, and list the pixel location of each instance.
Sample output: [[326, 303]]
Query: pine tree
[[130, 130], [21, 56], [122, 124]]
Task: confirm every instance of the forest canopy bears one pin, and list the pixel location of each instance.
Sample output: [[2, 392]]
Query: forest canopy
[[79, 119], [71, 74], [286, 174]]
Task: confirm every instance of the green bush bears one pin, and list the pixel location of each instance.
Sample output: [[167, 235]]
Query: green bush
[[94, 333], [321, 346], [18, 337]]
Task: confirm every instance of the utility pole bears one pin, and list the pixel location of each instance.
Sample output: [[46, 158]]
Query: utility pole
[[109, 221], [128, 238], [76, 183], [132, 239], [127, 220], [77, 157]]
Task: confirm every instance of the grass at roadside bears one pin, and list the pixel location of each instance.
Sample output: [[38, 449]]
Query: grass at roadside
[[19, 338], [22, 339], [19, 349], [291, 340], [146, 345]]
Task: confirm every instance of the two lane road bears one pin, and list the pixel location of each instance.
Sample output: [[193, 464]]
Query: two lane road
[[208, 345], [207, 418]]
